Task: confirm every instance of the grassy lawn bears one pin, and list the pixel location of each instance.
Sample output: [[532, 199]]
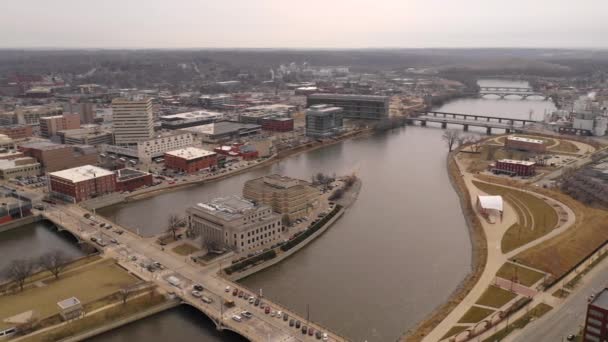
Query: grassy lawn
[[98, 319], [535, 313], [185, 249], [475, 314], [86, 284], [455, 330], [45, 274], [565, 146], [525, 275], [560, 293], [560, 253], [495, 297], [535, 217]]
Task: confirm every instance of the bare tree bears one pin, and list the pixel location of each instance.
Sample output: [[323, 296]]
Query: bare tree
[[451, 137], [19, 270], [474, 142], [54, 261], [173, 225], [285, 220], [124, 295], [210, 245]]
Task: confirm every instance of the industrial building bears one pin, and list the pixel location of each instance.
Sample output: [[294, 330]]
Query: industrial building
[[130, 179], [525, 144], [223, 131], [369, 107], [596, 321], [190, 159], [235, 223], [146, 150], [190, 119], [93, 136], [54, 157], [323, 121], [215, 101], [17, 131], [81, 183], [287, 196], [51, 125], [132, 120], [19, 167], [513, 167], [277, 124]]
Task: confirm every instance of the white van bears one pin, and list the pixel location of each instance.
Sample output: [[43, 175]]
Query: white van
[[174, 281]]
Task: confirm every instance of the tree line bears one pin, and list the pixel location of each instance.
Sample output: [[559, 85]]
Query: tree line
[[19, 270]]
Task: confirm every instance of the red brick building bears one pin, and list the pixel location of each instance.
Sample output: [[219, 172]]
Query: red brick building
[[247, 152], [596, 323], [50, 125], [277, 124], [525, 144], [81, 183], [514, 167], [190, 159], [17, 131], [55, 157], [130, 179]]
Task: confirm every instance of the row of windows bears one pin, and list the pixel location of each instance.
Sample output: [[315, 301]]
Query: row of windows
[[259, 230]]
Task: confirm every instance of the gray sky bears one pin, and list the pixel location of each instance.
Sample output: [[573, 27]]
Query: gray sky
[[304, 23]]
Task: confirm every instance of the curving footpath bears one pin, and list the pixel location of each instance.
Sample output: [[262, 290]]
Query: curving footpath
[[496, 258]]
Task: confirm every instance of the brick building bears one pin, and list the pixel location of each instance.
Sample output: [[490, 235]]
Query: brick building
[[55, 157], [51, 125], [525, 144], [130, 179], [81, 183], [277, 124], [513, 167], [17, 131], [596, 322], [190, 159]]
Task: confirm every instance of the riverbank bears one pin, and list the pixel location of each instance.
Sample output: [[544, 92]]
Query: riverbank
[[151, 192], [19, 223], [348, 198], [479, 257]]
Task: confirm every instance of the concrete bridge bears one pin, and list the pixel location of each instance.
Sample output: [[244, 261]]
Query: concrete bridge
[[475, 117], [128, 247], [503, 92], [509, 125]]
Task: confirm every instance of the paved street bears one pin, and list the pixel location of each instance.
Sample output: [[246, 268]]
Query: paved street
[[261, 327], [566, 318]]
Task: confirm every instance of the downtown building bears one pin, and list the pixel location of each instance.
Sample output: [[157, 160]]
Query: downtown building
[[323, 121], [132, 120], [55, 157], [81, 183], [235, 223], [288, 197], [596, 322], [51, 125], [190, 159], [368, 107]]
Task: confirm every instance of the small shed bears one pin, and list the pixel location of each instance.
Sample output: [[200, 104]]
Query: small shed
[[70, 308], [490, 206]]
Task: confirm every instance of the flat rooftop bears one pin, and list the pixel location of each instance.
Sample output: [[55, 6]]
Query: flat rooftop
[[221, 127], [68, 303], [228, 208], [199, 114], [520, 162], [82, 173], [354, 97], [126, 174], [190, 153], [323, 108], [528, 140], [270, 107], [601, 299]]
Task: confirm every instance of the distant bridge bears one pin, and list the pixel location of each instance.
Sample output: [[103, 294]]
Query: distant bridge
[[466, 120], [503, 92]]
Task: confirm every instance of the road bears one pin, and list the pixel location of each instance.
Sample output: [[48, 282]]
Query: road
[[568, 317], [130, 250]]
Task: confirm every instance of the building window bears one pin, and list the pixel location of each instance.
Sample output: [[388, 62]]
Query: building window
[[596, 313]]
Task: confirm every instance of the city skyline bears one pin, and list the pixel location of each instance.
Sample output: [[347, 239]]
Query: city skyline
[[273, 24]]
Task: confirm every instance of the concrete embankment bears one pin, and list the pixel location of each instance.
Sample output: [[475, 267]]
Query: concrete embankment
[[280, 257], [124, 321], [19, 223]]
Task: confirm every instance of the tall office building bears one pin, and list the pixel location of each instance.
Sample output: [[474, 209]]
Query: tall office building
[[133, 120], [323, 121], [51, 125], [369, 107]]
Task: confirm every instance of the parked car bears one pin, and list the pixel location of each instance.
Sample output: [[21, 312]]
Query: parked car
[[267, 310], [196, 294], [237, 318], [246, 314], [198, 287], [227, 289], [235, 292], [206, 300]]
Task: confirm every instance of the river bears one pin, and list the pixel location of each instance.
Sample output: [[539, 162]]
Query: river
[[398, 253]]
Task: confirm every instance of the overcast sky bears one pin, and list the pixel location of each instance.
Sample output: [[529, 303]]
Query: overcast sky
[[303, 23]]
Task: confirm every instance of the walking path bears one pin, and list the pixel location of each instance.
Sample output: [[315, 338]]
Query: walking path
[[496, 258]]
